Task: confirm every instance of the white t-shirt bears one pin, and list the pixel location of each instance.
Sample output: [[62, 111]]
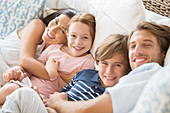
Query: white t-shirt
[[126, 93], [10, 51]]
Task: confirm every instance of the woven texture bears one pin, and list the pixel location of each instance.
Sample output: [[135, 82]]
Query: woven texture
[[161, 7]]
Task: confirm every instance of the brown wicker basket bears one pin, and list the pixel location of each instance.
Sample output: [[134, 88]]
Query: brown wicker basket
[[161, 7]]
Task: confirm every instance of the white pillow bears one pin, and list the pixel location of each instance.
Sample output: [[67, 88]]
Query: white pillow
[[79, 5], [17, 13], [115, 16]]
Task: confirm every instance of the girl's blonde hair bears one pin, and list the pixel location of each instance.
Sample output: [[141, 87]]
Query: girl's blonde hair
[[87, 19], [111, 46]]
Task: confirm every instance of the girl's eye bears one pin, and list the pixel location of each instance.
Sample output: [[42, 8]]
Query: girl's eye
[[85, 37], [73, 35]]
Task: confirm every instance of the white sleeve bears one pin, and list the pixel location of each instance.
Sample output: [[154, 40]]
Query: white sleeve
[[125, 96], [126, 93]]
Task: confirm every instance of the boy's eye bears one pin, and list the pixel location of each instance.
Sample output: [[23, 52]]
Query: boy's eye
[[117, 65], [132, 46], [105, 63]]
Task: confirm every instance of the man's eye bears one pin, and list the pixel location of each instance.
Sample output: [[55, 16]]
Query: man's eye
[[147, 45]]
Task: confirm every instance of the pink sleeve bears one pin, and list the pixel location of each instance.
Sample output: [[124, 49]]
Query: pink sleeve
[[44, 55], [89, 64]]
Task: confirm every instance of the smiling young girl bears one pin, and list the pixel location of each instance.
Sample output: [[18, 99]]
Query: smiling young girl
[[72, 56]]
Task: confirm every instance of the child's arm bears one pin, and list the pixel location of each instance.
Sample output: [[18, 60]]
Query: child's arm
[[52, 69], [67, 78]]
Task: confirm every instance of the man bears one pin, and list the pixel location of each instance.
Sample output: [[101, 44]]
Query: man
[[147, 44]]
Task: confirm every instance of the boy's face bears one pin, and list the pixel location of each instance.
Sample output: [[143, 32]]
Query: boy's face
[[110, 70], [144, 48]]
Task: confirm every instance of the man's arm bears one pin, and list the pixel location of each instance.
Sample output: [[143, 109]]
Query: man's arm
[[101, 104]]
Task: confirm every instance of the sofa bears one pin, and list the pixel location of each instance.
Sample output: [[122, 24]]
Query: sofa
[[112, 16]]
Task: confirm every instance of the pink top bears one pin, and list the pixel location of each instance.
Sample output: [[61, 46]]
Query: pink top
[[67, 65]]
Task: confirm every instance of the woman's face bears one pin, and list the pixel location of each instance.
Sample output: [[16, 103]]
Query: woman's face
[[56, 30], [110, 70]]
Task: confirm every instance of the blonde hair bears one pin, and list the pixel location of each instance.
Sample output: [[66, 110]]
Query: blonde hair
[[112, 45], [87, 19]]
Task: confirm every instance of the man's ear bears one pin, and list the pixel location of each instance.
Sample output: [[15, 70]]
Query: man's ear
[[164, 54], [163, 57]]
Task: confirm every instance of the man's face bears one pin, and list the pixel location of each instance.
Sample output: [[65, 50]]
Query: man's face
[[144, 48]]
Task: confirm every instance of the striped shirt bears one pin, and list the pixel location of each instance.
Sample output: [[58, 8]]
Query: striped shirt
[[84, 86]]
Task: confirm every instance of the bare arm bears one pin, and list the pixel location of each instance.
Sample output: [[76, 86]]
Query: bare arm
[[101, 104], [67, 78], [30, 36]]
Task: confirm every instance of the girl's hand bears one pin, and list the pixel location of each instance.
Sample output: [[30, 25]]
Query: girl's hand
[[52, 68], [14, 73]]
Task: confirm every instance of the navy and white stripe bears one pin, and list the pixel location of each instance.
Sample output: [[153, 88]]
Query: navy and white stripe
[[84, 86]]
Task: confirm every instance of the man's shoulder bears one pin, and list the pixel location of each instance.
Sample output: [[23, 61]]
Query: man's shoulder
[[147, 67], [141, 73]]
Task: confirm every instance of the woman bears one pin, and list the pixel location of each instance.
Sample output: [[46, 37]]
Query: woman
[[27, 42]]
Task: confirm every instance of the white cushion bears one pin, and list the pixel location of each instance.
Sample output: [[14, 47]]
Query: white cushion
[[156, 95], [115, 16], [79, 5], [17, 13]]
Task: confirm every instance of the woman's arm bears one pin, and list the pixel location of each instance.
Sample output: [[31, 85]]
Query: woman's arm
[[30, 36]]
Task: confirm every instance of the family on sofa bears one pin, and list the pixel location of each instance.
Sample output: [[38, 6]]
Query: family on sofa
[[146, 48]]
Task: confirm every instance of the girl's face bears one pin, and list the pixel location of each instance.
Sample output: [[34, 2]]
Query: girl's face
[[79, 39], [110, 70], [56, 30]]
